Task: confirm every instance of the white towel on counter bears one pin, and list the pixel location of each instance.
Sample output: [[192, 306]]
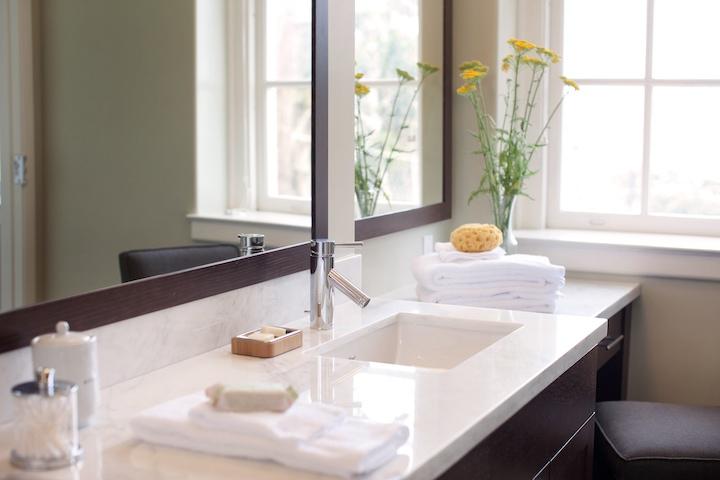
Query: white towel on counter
[[507, 301], [352, 446], [489, 293], [433, 274], [302, 421], [448, 253]]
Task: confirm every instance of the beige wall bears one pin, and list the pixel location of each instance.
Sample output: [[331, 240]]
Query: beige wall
[[674, 353], [118, 133]]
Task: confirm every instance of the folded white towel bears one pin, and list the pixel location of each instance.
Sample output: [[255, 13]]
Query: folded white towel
[[302, 421], [433, 274], [497, 290], [448, 253], [507, 301], [352, 447]]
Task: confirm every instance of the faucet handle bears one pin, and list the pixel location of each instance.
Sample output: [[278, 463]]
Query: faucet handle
[[326, 248], [349, 244]]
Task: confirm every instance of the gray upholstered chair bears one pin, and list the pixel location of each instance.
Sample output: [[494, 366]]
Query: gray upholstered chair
[[136, 264], [658, 441]]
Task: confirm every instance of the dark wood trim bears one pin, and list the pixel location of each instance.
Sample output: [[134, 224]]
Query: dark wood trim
[[108, 305], [320, 167], [397, 221]]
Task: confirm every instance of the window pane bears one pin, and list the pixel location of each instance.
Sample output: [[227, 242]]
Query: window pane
[[288, 39], [604, 38], [684, 159], [684, 36], [379, 49], [288, 141], [602, 135]]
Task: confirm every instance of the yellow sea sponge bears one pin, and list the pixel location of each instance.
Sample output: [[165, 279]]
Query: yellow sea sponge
[[476, 237]]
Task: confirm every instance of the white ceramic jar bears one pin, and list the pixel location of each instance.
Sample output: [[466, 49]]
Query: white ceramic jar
[[73, 355]]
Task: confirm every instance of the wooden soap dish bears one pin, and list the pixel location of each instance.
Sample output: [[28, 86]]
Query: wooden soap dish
[[241, 345]]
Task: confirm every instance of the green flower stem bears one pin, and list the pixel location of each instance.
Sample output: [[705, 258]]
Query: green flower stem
[[403, 127]]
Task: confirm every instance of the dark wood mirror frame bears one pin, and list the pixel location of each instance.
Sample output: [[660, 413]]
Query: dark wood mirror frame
[[379, 225], [112, 304]]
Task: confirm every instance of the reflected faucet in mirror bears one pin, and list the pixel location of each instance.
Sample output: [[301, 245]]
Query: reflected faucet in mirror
[[324, 279]]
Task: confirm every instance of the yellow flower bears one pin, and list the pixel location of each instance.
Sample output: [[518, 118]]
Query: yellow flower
[[551, 54], [466, 89], [361, 89], [359, 75], [535, 61], [506, 63], [521, 45], [570, 83], [473, 74]]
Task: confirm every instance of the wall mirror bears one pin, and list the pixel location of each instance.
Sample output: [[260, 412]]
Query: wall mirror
[[402, 114], [163, 124]]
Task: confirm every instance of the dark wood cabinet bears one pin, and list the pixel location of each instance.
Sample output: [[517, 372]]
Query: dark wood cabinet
[[613, 356], [575, 459], [553, 426]]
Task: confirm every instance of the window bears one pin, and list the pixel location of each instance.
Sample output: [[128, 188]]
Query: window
[[253, 106], [635, 148], [283, 92]]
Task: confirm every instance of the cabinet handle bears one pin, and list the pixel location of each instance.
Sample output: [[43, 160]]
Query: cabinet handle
[[612, 343]]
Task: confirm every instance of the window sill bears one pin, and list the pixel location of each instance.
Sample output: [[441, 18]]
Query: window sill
[[279, 228], [676, 256]]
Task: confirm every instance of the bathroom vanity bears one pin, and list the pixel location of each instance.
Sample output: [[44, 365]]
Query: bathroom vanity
[[485, 393]]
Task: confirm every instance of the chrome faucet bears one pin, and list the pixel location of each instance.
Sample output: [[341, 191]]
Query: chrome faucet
[[324, 278]]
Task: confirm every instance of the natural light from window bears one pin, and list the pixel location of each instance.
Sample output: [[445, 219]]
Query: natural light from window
[[640, 137], [287, 83]]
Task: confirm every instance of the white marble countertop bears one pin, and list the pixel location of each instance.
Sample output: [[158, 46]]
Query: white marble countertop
[[447, 412], [583, 297]]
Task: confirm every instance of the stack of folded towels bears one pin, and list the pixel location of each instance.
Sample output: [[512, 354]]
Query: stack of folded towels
[[489, 279], [308, 436]]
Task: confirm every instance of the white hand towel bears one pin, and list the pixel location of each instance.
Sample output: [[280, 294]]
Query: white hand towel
[[433, 274], [302, 421], [352, 447], [497, 290], [507, 301], [448, 253], [444, 294]]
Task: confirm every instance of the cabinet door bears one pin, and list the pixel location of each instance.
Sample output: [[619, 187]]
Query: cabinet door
[[574, 461]]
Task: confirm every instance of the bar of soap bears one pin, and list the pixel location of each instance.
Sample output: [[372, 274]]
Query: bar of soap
[[276, 331], [260, 397], [262, 337]]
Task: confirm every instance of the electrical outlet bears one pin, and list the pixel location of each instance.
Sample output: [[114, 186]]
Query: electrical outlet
[[428, 244]]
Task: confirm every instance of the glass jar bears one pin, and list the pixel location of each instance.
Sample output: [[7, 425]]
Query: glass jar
[[46, 424]]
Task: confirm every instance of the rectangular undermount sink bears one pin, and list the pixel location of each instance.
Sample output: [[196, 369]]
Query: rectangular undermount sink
[[419, 340]]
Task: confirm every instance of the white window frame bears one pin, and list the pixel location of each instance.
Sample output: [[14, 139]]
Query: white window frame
[[266, 200], [643, 222]]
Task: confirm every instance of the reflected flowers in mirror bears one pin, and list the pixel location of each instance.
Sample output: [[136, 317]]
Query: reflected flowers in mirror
[[375, 151]]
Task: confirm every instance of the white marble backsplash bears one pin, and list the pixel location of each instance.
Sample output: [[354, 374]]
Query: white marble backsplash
[[142, 344]]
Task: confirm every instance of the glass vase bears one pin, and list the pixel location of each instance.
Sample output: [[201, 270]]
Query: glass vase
[[503, 210]]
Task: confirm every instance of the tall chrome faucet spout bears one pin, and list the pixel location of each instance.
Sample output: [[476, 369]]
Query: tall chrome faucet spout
[[324, 279]]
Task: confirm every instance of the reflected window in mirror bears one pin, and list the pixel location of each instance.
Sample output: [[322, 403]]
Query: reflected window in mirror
[[399, 105], [149, 126], [254, 107]]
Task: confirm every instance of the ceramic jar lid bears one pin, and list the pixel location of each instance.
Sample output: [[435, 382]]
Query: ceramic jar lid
[[62, 337]]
